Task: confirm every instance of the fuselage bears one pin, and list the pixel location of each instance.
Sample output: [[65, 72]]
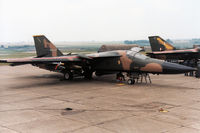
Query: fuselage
[[186, 54], [112, 61], [136, 62]]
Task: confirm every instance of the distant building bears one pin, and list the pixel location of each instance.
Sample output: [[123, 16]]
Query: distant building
[[2, 46], [112, 47], [196, 46], [147, 49], [139, 42]]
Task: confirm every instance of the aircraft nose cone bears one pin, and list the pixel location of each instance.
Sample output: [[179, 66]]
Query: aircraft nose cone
[[173, 68]]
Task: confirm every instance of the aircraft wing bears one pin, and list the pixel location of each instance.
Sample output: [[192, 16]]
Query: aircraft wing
[[59, 59], [44, 60]]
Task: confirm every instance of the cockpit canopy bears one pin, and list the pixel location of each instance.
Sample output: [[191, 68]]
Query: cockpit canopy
[[135, 52]]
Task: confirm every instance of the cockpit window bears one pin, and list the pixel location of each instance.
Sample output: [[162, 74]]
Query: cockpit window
[[135, 53], [141, 56]]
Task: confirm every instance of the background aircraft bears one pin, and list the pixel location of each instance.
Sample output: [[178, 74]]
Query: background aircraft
[[130, 61], [161, 49]]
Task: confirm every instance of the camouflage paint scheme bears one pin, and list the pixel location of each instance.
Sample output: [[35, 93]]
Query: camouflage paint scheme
[[159, 44], [45, 48], [137, 62], [165, 51], [50, 58]]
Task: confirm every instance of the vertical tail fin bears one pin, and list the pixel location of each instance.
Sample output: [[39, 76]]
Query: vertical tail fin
[[44, 48], [159, 44]]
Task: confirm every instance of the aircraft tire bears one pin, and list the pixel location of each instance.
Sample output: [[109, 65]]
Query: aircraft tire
[[98, 74], [197, 73], [68, 76], [88, 75], [130, 81]]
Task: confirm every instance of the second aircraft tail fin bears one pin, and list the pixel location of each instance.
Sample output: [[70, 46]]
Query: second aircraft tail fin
[[159, 44]]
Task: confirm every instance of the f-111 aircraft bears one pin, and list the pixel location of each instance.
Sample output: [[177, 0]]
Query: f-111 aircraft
[[161, 49], [130, 61]]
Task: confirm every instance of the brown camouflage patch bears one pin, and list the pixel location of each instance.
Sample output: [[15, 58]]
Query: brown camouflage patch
[[125, 61], [51, 47], [152, 67]]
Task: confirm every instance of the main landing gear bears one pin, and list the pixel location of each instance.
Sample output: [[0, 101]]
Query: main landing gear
[[88, 75], [68, 75]]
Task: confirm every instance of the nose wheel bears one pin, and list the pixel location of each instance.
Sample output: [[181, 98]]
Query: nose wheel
[[138, 77], [131, 81], [88, 75]]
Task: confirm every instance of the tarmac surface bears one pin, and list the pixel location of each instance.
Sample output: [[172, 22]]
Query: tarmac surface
[[33, 100]]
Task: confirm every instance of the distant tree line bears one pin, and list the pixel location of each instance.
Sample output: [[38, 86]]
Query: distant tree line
[[21, 46], [139, 42], [195, 41], [169, 41]]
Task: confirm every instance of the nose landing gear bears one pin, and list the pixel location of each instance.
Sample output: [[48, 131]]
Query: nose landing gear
[[138, 77], [131, 81]]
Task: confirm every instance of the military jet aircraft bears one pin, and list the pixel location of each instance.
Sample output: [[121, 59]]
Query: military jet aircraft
[[129, 61], [161, 49]]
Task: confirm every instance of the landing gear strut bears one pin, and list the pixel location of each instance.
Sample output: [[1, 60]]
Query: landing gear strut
[[120, 77], [88, 75], [134, 77]]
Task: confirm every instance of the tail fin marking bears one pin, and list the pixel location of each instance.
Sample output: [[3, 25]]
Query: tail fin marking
[[44, 48], [159, 44]]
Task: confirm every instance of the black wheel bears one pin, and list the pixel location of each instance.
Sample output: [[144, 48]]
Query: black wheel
[[130, 81], [68, 76], [98, 74], [197, 73], [88, 75], [133, 81]]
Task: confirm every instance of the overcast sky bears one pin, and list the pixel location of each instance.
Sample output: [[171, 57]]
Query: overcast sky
[[99, 20]]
